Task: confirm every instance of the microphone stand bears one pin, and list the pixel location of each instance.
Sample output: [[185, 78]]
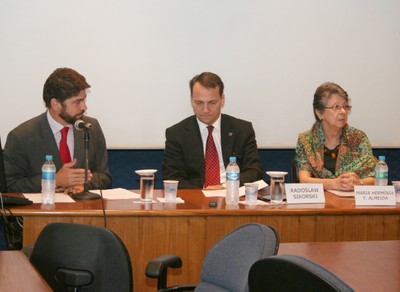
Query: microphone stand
[[86, 195]]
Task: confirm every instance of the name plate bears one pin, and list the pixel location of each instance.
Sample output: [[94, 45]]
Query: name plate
[[304, 193], [375, 195]]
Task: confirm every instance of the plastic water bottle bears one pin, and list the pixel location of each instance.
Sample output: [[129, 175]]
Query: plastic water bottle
[[381, 172], [48, 181], [232, 182]]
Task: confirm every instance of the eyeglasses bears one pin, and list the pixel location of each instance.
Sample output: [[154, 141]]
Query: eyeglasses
[[338, 107]]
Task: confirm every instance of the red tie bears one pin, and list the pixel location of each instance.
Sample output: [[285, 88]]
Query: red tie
[[64, 150], [212, 176]]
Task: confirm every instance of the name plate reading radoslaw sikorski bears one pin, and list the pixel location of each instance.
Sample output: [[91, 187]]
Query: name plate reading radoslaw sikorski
[[374, 195], [304, 193]]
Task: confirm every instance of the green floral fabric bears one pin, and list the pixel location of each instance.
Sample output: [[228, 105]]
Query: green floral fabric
[[354, 155]]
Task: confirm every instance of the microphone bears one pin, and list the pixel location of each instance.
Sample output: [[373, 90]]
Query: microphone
[[81, 125], [85, 195]]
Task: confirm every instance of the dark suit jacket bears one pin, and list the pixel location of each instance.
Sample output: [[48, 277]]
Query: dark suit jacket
[[184, 153], [29, 143]]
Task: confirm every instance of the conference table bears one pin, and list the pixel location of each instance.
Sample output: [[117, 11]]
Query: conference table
[[189, 229], [18, 274], [363, 265]]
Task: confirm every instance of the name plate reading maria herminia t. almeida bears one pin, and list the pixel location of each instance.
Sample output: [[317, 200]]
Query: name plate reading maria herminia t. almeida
[[375, 195]]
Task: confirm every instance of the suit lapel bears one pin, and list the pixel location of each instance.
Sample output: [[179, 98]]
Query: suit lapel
[[48, 140], [227, 138], [196, 144]]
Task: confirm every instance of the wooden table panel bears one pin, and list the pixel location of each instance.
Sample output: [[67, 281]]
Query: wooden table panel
[[33, 225]]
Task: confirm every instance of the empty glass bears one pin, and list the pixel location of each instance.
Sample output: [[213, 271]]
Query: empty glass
[[170, 189], [396, 185], [251, 191]]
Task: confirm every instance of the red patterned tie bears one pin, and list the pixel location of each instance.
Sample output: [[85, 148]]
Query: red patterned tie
[[64, 150], [212, 176]]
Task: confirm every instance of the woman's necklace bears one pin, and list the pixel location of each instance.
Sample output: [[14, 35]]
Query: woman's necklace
[[332, 153]]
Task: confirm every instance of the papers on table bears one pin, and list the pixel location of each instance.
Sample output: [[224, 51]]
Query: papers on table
[[258, 203], [144, 202], [214, 193], [60, 198], [111, 194], [123, 194], [344, 194], [222, 193], [117, 194], [178, 200]]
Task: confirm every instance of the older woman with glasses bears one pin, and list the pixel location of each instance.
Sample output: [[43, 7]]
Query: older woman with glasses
[[332, 152]]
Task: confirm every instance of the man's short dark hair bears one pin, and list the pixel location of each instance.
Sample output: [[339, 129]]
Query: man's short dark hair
[[208, 80], [62, 84]]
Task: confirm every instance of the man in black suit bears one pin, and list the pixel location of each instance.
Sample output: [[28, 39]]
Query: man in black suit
[[184, 156], [64, 94]]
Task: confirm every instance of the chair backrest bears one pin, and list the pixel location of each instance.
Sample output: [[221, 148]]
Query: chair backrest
[[293, 273], [227, 264], [3, 182], [90, 257], [294, 170]]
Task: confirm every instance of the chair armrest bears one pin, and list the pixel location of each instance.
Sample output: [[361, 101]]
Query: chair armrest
[[157, 268], [178, 288]]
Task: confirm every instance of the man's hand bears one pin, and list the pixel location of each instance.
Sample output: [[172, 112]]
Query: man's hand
[[74, 190], [69, 176]]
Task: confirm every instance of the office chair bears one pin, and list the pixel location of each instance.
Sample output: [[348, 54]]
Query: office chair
[[294, 170], [3, 182], [227, 264], [77, 257], [293, 273]]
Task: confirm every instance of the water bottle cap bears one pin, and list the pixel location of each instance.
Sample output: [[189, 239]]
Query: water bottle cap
[[49, 157], [232, 159], [382, 157]]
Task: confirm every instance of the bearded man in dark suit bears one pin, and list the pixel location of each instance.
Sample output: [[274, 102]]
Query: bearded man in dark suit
[[64, 94]]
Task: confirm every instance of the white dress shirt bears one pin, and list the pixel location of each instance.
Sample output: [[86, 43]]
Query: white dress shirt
[[56, 128]]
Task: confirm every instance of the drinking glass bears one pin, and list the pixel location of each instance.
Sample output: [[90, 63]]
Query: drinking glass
[[277, 187], [146, 184]]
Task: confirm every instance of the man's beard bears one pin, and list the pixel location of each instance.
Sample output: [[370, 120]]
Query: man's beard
[[66, 117]]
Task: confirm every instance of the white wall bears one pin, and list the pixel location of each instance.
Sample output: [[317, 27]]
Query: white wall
[[139, 56]]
